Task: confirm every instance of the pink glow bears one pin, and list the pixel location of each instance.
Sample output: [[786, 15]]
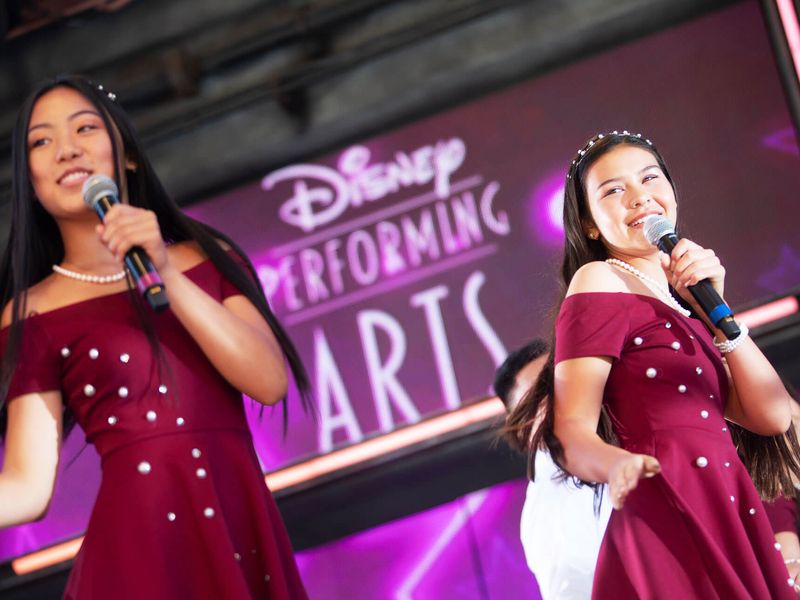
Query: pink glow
[[769, 312], [791, 30], [546, 207]]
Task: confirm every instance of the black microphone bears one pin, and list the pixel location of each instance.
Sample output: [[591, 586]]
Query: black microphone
[[100, 193], [660, 232]]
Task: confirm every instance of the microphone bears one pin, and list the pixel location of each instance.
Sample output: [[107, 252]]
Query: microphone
[[660, 232], [100, 193]]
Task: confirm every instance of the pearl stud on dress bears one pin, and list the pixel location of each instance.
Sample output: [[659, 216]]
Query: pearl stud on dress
[[151, 416], [651, 372], [144, 467]]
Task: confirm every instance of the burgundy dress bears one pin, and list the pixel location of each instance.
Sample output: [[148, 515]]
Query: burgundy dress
[[183, 510], [697, 530]]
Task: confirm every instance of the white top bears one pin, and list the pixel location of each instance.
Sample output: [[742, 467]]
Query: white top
[[560, 533]]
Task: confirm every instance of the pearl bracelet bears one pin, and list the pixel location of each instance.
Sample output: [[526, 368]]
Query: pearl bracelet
[[731, 345]]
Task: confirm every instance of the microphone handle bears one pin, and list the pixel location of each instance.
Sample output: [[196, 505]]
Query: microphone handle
[[706, 296], [140, 267]]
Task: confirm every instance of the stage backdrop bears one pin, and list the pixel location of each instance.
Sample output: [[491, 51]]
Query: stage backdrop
[[405, 266]]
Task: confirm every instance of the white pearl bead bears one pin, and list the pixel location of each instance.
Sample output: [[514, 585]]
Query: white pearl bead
[[112, 420], [208, 512], [89, 390], [201, 473], [180, 421], [724, 429], [727, 464], [733, 499], [144, 467], [752, 511], [691, 337], [124, 358], [668, 325], [123, 392], [171, 516], [777, 546], [638, 341], [682, 389], [151, 416], [162, 389], [701, 462], [651, 372], [65, 352], [237, 556], [704, 414], [676, 345], [790, 581], [196, 453], [94, 353], [699, 370]]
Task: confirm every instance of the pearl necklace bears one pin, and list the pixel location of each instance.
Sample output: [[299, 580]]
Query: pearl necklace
[[661, 289], [89, 278]]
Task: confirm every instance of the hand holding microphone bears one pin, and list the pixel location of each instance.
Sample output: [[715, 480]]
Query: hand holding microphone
[[100, 193], [660, 232]]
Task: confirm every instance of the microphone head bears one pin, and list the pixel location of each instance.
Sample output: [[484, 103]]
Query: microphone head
[[98, 186], [656, 227]]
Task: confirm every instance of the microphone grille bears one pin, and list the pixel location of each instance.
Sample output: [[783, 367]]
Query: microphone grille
[[96, 187], [655, 227]]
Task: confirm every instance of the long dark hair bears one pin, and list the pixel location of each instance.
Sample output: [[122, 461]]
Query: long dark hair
[[35, 242], [771, 461]]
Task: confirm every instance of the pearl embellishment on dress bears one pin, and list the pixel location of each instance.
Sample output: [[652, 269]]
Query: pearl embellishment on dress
[[65, 352], [638, 341], [704, 414], [124, 358], [151, 416], [699, 370], [196, 453], [237, 556], [162, 389], [208, 512], [752, 511], [701, 462], [112, 420], [94, 353], [777, 546], [727, 464], [201, 473], [676, 345], [180, 421], [171, 516], [651, 372], [144, 467], [733, 499], [123, 392], [89, 390], [682, 389]]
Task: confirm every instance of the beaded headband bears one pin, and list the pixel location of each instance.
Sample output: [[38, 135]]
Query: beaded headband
[[582, 152], [99, 87]]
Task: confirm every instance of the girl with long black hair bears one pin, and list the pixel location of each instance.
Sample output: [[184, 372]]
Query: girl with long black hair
[[642, 393], [182, 510]]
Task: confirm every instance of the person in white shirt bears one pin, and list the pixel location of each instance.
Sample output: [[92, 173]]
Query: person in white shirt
[[562, 525]]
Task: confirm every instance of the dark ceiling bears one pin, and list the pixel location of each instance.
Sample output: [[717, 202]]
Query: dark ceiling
[[225, 91]]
